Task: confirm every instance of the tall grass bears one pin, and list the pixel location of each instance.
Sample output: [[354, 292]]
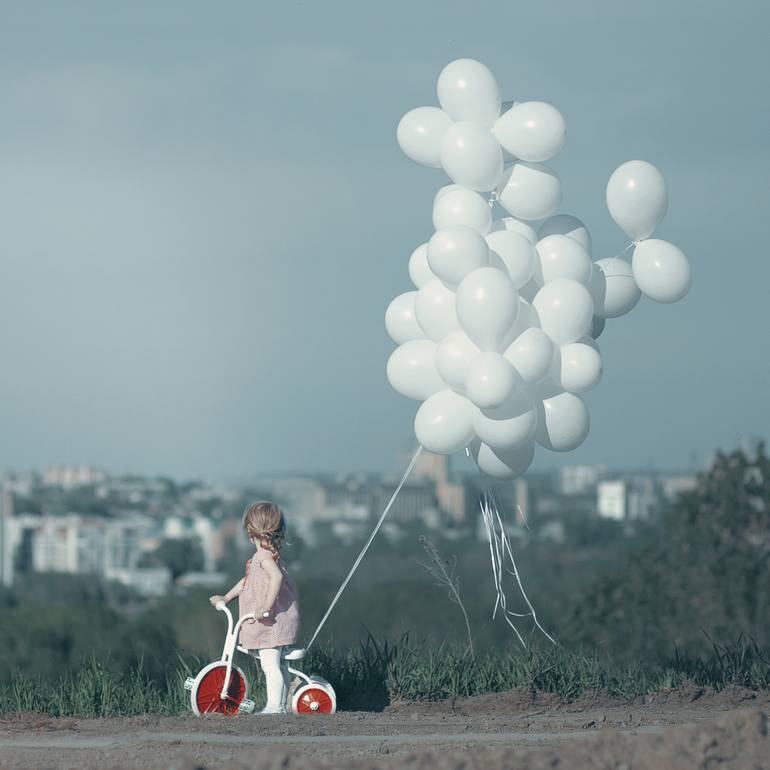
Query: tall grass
[[95, 690], [412, 672], [376, 673]]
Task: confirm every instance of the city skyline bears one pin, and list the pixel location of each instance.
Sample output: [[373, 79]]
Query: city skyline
[[206, 214], [151, 534], [96, 473]]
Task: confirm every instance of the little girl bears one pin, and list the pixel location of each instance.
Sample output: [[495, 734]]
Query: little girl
[[268, 592]]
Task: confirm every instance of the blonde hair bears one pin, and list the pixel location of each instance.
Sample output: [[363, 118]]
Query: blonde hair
[[265, 522]]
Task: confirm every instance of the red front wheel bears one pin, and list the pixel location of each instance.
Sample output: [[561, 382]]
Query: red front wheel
[[206, 692], [313, 699]]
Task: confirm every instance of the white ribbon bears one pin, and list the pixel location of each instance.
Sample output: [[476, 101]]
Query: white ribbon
[[365, 548], [501, 556]]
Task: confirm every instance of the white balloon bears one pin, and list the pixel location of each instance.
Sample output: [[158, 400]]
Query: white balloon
[[661, 270], [560, 256], [455, 205], [442, 191], [419, 269], [637, 198], [548, 387], [411, 370], [565, 310], [531, 354], [510, 425], [526, 319], [580, 367], [563, 422], [597, 327], [530, 289], [435, 310], [505, 463], [591, 342], [420, 133], [467, 90], [515, 226], [487, 305], [454, 356], [516, 254], [456, 251], [471, 156], [491, 381], [401, 321], [529, 191], [533, 131], [613, 288], [566, 224], [444, 423]]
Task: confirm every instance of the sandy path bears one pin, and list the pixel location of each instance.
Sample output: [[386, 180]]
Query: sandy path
[[336, 743], [480, 732]]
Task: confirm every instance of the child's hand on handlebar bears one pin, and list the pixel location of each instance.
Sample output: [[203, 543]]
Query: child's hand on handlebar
[[216, 600]]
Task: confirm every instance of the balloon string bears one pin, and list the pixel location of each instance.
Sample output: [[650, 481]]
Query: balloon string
[[501, 552], [514, 570], [631, 245], [502, 561], [365, 548]]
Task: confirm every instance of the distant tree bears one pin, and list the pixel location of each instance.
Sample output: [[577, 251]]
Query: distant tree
[[188, 486], [586, 530], [84, 500], [180, 555], [233, 558], [705, 569], [170, 486], [208, 507], [23, 504]]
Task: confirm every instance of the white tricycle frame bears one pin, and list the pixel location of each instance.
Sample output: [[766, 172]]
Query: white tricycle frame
[[220, 687]]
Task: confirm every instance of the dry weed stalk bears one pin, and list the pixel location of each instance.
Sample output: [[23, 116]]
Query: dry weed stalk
[[443, 573]]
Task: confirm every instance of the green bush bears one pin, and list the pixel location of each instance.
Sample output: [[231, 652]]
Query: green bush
[[374, 674]]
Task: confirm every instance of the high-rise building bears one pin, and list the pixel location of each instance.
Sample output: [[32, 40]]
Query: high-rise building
[[55, 544], [6, 537], [642, 499], [430, 466], [79, 544], [580, 479], [452, 496], [612, 499], [301, 498], [71, 476], [203, 528], [673, 486]]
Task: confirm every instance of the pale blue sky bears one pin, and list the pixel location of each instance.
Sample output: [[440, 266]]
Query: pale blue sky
[[204, 214]]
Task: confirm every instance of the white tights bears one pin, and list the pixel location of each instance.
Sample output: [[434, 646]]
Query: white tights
[[276, 671]]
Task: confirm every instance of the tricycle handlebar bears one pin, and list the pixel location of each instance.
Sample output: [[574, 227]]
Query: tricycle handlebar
[[222, 607]]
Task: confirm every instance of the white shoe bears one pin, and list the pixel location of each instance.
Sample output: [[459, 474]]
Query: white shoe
[[272, 711]]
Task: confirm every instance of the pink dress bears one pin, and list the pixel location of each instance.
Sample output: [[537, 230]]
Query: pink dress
[[282, 627]]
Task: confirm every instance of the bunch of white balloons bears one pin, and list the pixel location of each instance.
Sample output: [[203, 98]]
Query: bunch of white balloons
[[499, 339]]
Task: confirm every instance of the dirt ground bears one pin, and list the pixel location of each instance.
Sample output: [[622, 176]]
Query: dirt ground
[[684, 729]]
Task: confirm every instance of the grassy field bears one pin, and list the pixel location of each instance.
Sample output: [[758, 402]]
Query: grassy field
[[629, 599], [374, 674]]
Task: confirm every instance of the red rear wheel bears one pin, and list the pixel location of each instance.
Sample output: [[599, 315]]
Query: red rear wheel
[[207, 694], [313, 700]]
